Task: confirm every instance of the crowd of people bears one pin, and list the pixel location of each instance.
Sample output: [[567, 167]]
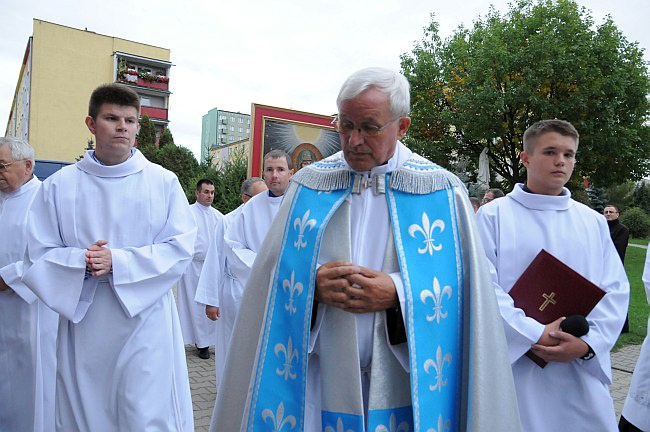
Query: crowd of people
[[366, 291]]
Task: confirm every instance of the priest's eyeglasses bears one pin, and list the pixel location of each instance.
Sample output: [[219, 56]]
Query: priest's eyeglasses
[[5, 166], [346, 127]]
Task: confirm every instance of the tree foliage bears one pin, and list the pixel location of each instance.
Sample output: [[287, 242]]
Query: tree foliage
[[227, 181], [483, 87], [166, 138], [147, 133]]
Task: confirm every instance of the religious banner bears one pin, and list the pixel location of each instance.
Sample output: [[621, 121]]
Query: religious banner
[[306, 137]]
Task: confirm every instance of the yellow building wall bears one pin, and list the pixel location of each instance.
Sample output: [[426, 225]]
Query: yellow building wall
[[67, 65]]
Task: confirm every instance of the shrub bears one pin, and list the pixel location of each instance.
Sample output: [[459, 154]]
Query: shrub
[[637, 221]]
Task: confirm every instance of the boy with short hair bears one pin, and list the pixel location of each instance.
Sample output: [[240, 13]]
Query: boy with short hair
[[571, 392]]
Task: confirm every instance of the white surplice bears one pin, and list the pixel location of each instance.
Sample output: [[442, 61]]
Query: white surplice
[[213, 290], [196, 327], [27, 327], [121, 358], [637, 404], [562, 396], [247, 231]]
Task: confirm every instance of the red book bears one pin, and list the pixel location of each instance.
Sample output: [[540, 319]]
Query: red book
[[549, 289]]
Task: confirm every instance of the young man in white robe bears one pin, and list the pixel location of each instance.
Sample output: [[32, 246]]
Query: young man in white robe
[[27, 326], [636, 411], [196, 328], [571, 392], [218, 289], [319, 342], [247, 231], [107, 239]]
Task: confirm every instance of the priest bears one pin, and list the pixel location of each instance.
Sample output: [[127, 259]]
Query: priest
[[27, 326], [369, 306], [572, 391], [218, 290], [196, 328], [107, 238]]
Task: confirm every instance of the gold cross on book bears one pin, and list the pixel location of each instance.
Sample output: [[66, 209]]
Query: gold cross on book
[[549, 299]]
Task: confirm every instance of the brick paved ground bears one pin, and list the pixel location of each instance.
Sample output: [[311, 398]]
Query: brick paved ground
[[202, 381]]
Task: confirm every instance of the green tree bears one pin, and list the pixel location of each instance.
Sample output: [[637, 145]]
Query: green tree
[[180, 161], [641, 196], [483, 87], [147, 133], [166, 138], [227, 181]]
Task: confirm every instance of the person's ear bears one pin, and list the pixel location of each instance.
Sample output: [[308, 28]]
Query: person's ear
[[524, 156], [90, 123]]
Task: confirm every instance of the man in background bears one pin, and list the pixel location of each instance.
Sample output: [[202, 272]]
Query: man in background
[[196, 329], [492, 194], [620, 236], [27, 326], [218, 290]]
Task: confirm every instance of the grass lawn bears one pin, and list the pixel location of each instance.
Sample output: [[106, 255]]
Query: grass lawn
[[638, 241], [639, 309]]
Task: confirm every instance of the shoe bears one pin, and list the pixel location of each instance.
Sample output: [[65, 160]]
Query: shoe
[[204, 353]]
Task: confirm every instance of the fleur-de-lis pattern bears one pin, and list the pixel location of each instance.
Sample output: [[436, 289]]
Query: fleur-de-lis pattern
[[300, 225], [339, 427], [437, 296], [277, 419], [438, 365], [292, 287], [393, 426], [290, 354], [442, 426], [427, 229]]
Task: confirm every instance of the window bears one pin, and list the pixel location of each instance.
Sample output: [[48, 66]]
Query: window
[[232, 128], [248, 131], [232, 119], [145, 101], [231, 138], [240, 120], [240, 130]]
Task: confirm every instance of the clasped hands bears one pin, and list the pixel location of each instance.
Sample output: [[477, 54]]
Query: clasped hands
[[354, 288], [557, 346], [99, 260]]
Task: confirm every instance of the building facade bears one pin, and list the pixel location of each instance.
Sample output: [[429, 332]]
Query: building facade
[[221, 129], [61, 67]]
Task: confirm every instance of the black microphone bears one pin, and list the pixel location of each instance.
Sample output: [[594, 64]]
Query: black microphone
[[575, 325]]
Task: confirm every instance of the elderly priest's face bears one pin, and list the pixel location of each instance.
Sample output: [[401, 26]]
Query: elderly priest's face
[[369, 130], [13, 173]]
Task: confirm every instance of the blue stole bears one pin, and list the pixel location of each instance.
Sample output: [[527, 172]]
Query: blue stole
[[426, 238]]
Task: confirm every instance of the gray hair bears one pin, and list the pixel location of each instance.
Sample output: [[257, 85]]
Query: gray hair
[[19, 148], [392, 83], [248, 184]]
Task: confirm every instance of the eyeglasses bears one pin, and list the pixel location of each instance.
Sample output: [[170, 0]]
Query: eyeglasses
[[5, 166], [365, 130]]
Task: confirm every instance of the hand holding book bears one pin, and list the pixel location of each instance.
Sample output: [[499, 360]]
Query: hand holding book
[[549, 289]]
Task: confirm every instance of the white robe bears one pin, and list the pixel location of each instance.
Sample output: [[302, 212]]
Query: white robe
[[121, 358], [210, 291], [637, 404], [246, 233], [196, 327], [563, 396], [27, 327]]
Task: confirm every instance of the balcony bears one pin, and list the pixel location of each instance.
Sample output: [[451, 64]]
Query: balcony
[[143, 80], [154, 113]]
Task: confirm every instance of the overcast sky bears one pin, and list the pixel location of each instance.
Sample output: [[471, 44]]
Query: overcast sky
[[290, 54]]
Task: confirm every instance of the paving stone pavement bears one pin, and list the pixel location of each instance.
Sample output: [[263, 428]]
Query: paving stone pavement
[[202, 381]]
